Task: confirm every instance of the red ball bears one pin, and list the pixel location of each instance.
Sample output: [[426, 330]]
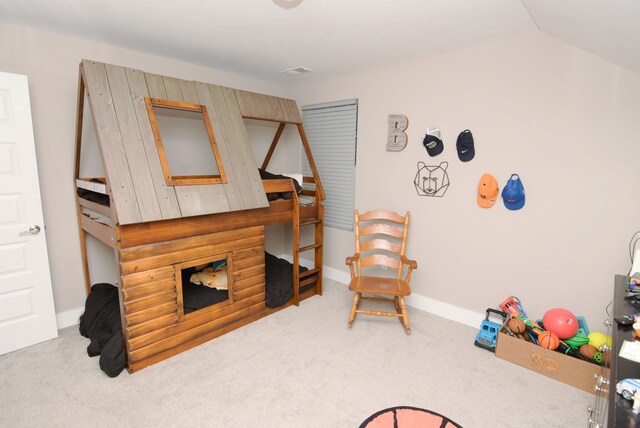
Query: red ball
[[561, 322], [548, 339]]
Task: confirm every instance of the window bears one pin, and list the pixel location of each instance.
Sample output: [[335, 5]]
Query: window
[[332, 130], [185, 141], [204, 283]]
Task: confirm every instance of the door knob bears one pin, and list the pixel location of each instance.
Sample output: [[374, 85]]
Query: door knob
[[33, 230]]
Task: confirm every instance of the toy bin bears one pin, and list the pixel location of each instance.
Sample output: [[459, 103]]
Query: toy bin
[[564, 368]]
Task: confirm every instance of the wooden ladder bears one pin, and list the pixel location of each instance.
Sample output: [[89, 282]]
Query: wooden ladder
[[314, 274]]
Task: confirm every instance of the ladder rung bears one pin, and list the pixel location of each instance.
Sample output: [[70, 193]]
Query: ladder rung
[[309, 272], [306, 223], [308, 281], [310, 247]]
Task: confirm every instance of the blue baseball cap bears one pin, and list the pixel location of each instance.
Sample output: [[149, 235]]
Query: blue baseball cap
[[513, 193]]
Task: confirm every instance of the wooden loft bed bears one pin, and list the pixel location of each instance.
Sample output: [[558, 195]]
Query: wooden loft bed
[[188, 225]]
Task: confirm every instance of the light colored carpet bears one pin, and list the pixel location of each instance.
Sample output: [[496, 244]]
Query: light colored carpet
[[301, 367]]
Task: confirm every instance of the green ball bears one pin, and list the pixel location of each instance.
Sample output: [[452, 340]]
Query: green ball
[[598, 357]]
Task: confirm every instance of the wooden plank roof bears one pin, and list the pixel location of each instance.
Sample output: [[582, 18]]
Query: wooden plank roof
[[133, 167]]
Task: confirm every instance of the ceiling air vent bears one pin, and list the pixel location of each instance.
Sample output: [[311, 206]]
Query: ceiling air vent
[[297, 70]]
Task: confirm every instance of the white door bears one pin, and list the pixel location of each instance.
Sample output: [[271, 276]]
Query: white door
[[27, 314]]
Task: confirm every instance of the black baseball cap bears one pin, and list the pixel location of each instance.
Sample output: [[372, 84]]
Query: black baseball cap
[[466, 150], [432, 142]]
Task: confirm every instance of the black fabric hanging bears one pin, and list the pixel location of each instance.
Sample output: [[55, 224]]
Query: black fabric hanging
[[101, 323]]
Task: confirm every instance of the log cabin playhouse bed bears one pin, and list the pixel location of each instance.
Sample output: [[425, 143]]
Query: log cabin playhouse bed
[[160, 224]]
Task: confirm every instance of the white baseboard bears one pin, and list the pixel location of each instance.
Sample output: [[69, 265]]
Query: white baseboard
[[445, 310], [69, 318], [427, 304], [337, 274]]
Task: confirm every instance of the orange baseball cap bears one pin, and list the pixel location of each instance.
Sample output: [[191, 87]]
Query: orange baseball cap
[[487, 191]]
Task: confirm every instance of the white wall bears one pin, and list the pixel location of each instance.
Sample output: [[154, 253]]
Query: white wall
[[51, 63], [561, 118]]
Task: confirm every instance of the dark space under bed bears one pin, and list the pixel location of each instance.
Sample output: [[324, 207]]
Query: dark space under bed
[[278, 279]]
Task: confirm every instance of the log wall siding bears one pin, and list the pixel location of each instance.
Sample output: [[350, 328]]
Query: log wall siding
[[151, 298], [145, 233]]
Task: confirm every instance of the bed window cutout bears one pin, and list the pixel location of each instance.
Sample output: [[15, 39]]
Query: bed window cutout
[[185, 142], [204, 283]]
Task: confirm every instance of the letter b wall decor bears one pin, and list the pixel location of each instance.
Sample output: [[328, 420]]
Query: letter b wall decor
[[397, 141]]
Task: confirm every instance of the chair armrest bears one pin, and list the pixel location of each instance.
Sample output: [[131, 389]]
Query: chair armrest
[[412, 263], [352, 259]]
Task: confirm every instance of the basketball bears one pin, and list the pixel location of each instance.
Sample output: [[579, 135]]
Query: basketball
[[548, 340], [561, 322], [516, 325], [588, 350]]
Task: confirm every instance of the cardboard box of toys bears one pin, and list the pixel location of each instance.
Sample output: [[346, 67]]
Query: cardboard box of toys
[[553, 364], [564, 368]]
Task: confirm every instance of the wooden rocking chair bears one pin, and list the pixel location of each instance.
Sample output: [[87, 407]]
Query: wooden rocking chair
[[381, 239]]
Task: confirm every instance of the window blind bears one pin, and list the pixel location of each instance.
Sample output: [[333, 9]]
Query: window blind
[[332, 130]]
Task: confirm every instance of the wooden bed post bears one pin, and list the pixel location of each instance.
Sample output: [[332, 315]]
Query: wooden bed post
[[319, 239], [76, 175], [312, 164], [296, 246], [274, 143]]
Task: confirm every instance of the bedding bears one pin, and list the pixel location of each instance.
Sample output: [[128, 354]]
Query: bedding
[[197, 296], [278, 286], [100, 218], [91, 195], [279, 280], [212, 276], [266, 175]]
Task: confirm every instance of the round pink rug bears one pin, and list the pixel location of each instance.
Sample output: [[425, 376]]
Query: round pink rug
[[408, 417]]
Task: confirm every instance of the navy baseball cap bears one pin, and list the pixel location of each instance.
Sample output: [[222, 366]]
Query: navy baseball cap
[[464, 144], [513, 193], [432, 142]]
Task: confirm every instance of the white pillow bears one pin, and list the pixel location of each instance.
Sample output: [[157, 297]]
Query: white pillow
[[297, 177]]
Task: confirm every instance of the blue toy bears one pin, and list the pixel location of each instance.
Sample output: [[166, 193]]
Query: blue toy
[[486, 337]]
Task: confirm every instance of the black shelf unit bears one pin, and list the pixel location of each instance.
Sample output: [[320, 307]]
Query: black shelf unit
[[620, 414]]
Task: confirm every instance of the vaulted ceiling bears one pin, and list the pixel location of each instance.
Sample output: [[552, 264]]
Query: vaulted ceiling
[[260, 38]]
